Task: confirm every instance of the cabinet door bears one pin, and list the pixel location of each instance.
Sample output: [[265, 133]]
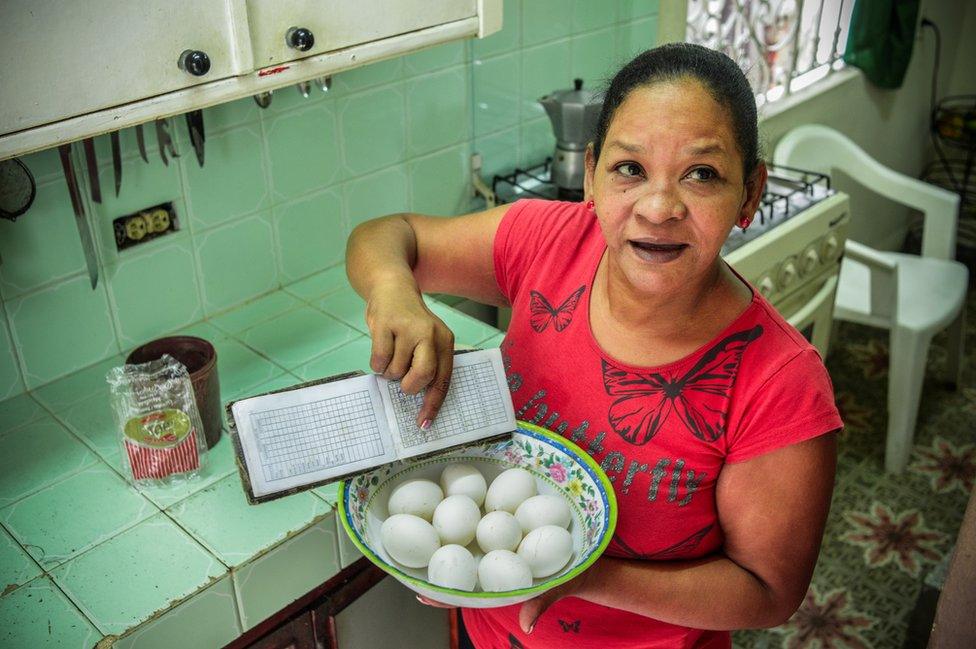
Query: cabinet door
[[295, 634], [63, 59], [335, 24]]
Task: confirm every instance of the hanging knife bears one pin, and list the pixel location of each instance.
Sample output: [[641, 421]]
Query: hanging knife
[[194, 123], [116, 160], [79, 208], [164, 141], [92, 164], [141, 141]]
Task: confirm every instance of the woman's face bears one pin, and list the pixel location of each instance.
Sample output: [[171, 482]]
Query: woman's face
[[669, 186]]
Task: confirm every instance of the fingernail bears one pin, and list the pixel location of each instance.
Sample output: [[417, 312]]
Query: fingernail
[[531, 626], [425, 424]]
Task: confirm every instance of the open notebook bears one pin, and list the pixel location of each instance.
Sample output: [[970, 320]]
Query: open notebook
[[319, 432]]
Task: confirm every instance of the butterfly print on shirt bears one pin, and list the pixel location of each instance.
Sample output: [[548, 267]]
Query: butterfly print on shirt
[[646, 400], [513, 642], [542, 313], [569, 626], [679, 550]]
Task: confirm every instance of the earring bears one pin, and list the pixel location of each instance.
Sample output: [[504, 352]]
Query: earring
[[590, 205], [744, 223]]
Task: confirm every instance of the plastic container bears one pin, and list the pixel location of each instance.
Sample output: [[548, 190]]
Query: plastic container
[[200, 359]]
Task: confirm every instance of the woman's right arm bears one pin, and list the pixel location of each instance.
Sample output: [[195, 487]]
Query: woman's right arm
[[393, 260]]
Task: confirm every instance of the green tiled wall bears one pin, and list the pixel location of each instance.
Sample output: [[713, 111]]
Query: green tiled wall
[[282, 187]]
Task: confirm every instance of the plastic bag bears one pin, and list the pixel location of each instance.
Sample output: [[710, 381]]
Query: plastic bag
[[160, 430]]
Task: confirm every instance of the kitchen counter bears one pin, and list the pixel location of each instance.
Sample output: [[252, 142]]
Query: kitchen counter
[[86, 558]]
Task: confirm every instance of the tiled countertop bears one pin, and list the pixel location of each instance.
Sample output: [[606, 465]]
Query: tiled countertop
[[85, 556]]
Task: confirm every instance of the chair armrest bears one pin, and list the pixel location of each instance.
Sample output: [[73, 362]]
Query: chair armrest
[[883, 276]]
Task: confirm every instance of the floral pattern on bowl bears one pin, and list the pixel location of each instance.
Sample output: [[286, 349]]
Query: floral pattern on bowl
[[559, 467]]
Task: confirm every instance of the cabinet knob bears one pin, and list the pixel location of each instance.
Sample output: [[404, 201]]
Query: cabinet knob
[[194, 62], [300, 39]]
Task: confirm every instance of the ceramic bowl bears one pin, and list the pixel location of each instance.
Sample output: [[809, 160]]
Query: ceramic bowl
[[559, 467]]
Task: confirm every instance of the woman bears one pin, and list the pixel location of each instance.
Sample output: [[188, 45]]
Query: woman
[[712, 416]]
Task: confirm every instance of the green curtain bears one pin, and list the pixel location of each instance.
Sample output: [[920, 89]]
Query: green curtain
[[880, 39]]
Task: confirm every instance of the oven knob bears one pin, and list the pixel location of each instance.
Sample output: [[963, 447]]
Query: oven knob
[[766, 286], [829, 249], [787, 274], [810, 261]]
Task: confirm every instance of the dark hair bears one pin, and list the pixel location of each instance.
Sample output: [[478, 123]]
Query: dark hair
[[715, 71]]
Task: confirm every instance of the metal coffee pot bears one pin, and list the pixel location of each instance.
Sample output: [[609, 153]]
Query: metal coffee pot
[[574, 115]]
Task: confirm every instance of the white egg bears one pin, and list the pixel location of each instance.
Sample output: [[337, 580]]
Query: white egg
[[501, 570], [546, 549], [466, 480], [409, 539], [456, 519], [417, 497], [544, 509], [453, 566], [509, 489], [498, 531]]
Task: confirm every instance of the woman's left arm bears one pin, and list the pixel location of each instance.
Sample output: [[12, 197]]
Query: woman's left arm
[[772, 510]]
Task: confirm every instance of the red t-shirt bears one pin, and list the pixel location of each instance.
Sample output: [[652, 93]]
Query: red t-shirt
[[661, 434]]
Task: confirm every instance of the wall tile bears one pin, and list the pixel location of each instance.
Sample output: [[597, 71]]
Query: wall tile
[[291, 98], [43, 244], [537, 142], [10, 381], [633, 9], [310, 233], [37, 455], [295, 337], [635, 37], [206, 620], [373, 129], [437, 106], [237, 262], [93, 421], [55, 525], [368, 76], [44, 166], [545, 20], [351, 356], [137, 553], [439, 183], [303, 149], [232, 181], [346, 305], [594, 58], [39, 616], [589, 15], [319, 284], [241, 369], [155, 292], [506, 39], [256, 312], [16, 566], [379, 194], [287, 572], [435, 58], [499, 153], [233, 113], [61, 329], [544, 69], [77, 386], [496, 105], [19, 410]]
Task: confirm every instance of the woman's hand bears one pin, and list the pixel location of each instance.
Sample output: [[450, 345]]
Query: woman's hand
[[535, 607], [411, 344]]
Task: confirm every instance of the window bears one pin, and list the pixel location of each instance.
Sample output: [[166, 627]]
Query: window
[[782, 45]]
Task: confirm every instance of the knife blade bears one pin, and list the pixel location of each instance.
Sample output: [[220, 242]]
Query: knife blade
[[92, 163], [116, 160], [194, 123], [141, 141], [81, 219], [165, 141]]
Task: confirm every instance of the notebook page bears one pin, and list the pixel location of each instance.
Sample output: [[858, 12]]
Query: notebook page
[[312, 434], [478, 405]]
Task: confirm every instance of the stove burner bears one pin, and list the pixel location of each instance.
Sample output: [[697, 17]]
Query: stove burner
[[788, 191]]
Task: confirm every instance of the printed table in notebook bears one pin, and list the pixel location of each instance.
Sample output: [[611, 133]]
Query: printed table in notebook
[[309, 437], [473, 402]]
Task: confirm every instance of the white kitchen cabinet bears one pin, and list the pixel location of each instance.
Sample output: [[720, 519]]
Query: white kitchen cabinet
[[335, 24], [63, 59], [74, 70]]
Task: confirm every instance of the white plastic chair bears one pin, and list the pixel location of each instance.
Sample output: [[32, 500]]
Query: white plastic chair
[[913, 296]]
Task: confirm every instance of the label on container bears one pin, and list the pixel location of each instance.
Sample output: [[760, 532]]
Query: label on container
[[159, 429]]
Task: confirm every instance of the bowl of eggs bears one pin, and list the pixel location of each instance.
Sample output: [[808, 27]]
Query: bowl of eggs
[[487, 525]]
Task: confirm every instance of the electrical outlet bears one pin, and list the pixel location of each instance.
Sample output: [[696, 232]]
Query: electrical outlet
[[144, 225]]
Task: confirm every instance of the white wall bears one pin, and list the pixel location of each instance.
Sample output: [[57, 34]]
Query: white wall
[[891, 125]]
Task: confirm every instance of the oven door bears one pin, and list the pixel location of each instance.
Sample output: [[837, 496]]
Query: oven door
[[811, 310]]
